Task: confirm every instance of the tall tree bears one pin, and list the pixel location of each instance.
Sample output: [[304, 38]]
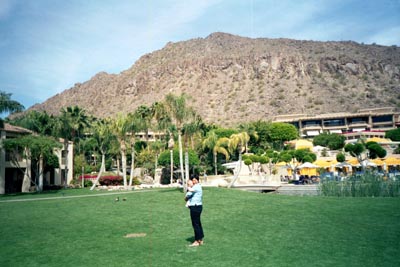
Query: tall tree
[[70, 124], [103, 136], [216, 145], [333, 141], [161, 116], [193, 129], [237, 142], [38, 121], [364, 151], [176, 107], [394, 134], [35, 149], [8, 105], [135, 125], [280, 132], [144, 113], [251, 130], [120, 128]]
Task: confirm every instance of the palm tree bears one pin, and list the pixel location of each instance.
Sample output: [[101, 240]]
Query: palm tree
[[8, 105], [238, 142], [135, 125], [38, 121], [161, 116], [120, 128], [189, 130], [145, 115], [193, 129], [176, 107], [251, 130], [102, 134], [70, 124], [217, 145], [79, 121]]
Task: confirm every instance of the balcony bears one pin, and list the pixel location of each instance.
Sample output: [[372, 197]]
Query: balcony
[[359, 124], [312, 127], [388, 123]]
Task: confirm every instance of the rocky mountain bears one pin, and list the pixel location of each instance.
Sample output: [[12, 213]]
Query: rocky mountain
[[233, 79]]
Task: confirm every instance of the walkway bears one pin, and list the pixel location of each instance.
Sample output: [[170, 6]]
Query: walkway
[[284, 189]]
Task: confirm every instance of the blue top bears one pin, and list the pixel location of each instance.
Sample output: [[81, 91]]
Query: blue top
[[196, 196]]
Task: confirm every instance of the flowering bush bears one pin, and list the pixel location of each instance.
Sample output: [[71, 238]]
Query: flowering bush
[[88, 176], [111, 180]]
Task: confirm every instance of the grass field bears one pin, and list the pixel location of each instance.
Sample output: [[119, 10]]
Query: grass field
[[241, 229]]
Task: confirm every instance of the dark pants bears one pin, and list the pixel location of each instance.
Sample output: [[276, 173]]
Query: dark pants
[[195, 213]]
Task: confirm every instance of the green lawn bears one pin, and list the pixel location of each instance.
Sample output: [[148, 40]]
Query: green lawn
[[241, 229]]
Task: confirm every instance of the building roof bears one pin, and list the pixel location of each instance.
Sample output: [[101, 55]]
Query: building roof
[[360, 113], [16, 129]]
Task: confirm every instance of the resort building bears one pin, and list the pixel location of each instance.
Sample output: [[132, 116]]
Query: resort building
[[151, 136], [372, 122], [12, 174]]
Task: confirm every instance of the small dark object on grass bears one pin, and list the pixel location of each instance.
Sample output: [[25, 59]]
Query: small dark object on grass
[[124, 199]]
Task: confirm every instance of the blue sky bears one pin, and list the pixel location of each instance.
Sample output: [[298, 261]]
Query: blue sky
[[46, 46]]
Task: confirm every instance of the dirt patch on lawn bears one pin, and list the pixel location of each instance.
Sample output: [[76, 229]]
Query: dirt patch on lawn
[[134, 235]]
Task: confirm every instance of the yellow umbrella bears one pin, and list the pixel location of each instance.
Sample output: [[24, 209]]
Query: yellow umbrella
[[378, 162], [353, 161], [392, 161], [378, 140], [322, 163], [326, 163], [308, 171]]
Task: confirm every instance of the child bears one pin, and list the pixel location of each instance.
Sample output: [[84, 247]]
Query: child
[[189, 192]]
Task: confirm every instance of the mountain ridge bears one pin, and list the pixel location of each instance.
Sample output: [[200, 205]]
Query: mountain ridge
[[232, 79]]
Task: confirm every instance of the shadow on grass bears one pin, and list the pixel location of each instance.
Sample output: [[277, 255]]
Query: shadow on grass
[[190, 239]]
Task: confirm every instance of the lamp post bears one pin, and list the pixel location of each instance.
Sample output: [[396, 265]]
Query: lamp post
[[171, 144]]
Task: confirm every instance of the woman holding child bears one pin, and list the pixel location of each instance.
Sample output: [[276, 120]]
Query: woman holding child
[[194, 198]]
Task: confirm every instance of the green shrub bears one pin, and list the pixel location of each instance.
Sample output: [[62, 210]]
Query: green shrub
[[88, 183], [248, 162]]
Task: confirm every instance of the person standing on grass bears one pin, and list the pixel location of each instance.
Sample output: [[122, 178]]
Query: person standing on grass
[[195, 203]]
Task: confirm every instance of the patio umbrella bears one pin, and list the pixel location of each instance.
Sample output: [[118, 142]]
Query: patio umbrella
[[368, 163], [353, 162], [343, 164], [346, 165], [307, 165], [378, 162], [323, 163], [307, 168], [392, 161]]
